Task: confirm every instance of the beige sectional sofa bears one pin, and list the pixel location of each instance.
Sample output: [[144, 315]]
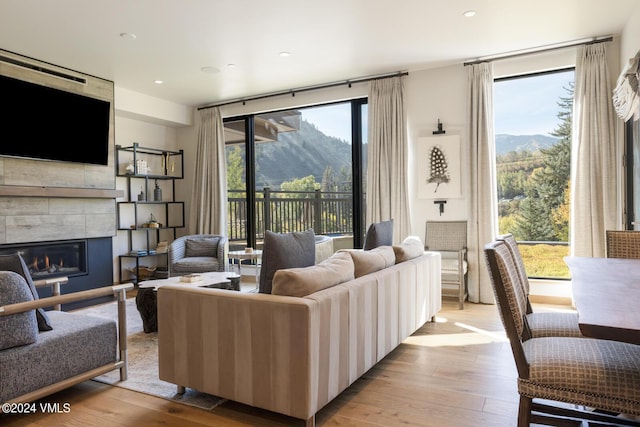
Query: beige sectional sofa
[[294, 354]]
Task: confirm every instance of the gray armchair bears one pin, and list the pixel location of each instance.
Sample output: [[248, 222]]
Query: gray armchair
[[198, 253]]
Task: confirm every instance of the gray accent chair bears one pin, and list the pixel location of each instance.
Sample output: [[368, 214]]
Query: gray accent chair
[[71, 348], [198, 253], [593, 373]]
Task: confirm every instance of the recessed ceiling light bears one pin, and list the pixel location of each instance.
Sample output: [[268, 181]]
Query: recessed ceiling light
[[158, 82], [469, 13], [210, 70], [231, 65], [128, 36], [284, 53]]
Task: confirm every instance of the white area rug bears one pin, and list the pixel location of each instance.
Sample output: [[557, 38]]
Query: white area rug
[[142, 349]]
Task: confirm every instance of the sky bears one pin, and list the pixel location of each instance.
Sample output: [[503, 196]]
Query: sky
[[333, 120], [529, 106]]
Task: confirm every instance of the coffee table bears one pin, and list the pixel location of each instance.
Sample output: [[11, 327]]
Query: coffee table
[[147, 303]]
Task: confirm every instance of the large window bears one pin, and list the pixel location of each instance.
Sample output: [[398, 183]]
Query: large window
[[297, 169], [533, 158]]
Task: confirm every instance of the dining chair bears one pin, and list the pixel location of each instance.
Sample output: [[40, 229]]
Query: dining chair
[[623, 244], [584, 372], [541, 324], [450, 239]]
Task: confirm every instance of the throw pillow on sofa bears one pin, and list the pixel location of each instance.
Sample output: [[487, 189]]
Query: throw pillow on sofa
[[285, 250], [299, 282], [376, 259], [379, 234], [411, 247], [20, 328]]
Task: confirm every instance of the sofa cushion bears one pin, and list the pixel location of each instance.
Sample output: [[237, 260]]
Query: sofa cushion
[[200, 264], [20, 328], [77, 344], [15, 263], [299, 282], [379, 234], [204, 247], [285, 250], [411, 247], [366, 262]]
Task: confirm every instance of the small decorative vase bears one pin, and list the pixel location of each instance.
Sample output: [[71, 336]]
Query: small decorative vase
[[157, 193]]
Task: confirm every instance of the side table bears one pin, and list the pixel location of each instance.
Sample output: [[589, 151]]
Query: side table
[[236, 258]]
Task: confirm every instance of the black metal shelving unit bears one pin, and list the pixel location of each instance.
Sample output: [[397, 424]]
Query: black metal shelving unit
[[171, 165]]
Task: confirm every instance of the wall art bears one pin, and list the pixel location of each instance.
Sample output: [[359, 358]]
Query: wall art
[[439, 167]]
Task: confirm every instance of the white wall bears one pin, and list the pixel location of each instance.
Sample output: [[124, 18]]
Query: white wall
[[630, 39], [431, 95]]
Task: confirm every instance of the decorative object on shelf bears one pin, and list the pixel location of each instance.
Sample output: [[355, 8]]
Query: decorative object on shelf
[[157, 193], [143, 272], [168, 164], [130, 169], [440, 131], [152, 223], [141, 195], [142, 167], [162, 247]]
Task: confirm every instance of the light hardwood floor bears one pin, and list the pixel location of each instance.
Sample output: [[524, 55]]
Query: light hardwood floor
[[458, 371]]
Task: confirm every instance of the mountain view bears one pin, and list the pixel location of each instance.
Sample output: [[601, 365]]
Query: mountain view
[[517, 143], [300, 154]]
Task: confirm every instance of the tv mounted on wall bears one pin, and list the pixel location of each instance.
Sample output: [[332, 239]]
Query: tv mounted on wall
[[41, 122]]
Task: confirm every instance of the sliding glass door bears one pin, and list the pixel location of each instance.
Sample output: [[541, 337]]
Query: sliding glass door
[[297, 169]]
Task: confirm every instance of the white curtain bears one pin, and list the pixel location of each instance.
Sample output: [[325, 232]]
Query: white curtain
[[594, 206], [208, 213], [387, 175], [483, 218]]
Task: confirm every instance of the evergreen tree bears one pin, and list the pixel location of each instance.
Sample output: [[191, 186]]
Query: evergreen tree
[[542, 214], [532, 221]]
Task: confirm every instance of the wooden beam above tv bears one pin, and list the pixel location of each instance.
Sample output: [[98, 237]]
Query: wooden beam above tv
[[62, 192]]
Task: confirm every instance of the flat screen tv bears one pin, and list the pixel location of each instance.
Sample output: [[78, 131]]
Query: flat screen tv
[[45, 123]]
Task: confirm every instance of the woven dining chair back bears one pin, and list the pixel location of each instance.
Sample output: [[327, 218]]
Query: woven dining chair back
[[623, 244]]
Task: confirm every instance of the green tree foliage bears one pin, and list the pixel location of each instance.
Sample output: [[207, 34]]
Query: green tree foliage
[[543, 179], [307, 183], [235, 168]]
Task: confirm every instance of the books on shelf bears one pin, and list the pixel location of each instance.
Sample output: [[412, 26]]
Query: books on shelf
[[141, 252], [162, 247], [190, 278]]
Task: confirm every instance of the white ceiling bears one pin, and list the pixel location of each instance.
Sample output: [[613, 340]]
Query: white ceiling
[[329, 40]]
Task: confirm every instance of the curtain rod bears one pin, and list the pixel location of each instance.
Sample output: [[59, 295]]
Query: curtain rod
[[293, 92], [540, 49]]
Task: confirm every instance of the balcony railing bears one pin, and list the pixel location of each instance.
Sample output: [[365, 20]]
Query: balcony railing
[[287, 211]]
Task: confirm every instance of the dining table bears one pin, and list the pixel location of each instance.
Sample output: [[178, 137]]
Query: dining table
[[606, 294]]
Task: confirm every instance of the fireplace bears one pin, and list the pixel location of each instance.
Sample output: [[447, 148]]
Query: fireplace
[[52, 259]]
